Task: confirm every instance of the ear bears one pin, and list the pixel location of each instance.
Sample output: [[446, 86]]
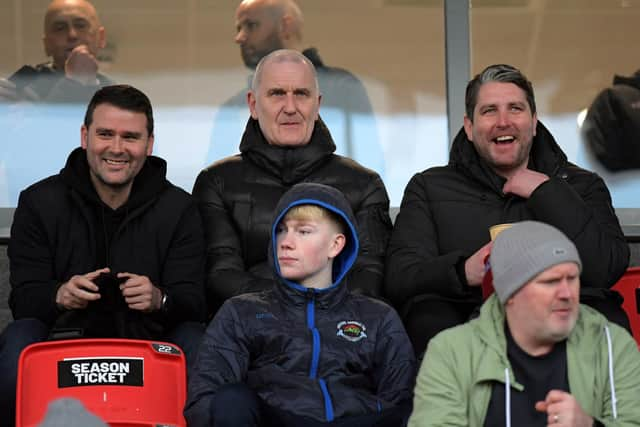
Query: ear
[[150, 145], [468, 127], [251, 100], [535, 123], [45, 44], [337, 244], [84, 134], [102, 38], [316, 115]]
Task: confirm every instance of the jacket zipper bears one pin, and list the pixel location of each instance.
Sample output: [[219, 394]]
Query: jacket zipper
[[315, 354]]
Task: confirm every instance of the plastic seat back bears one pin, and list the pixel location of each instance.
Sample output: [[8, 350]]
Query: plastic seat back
[[125, 382], [627, 286]]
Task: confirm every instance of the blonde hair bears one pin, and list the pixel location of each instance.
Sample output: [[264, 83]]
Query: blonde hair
[[314, 213]]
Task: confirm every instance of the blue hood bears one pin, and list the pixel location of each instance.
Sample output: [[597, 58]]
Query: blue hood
[[328, 198]]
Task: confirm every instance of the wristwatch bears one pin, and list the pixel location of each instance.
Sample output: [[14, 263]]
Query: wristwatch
[[163, 302]]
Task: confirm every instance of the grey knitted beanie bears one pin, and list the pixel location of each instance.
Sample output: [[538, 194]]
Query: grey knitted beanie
[[525, 250]]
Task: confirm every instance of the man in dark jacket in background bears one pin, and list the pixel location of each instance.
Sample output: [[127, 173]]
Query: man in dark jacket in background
[[285, 142], [504, 167], [73, 36], [612, 127], [108, 247], [307, 351]]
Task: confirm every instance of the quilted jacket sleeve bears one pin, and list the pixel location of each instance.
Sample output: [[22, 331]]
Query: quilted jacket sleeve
[[223, 358]]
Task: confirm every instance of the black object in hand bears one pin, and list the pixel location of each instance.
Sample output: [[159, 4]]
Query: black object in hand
[[111, 298]]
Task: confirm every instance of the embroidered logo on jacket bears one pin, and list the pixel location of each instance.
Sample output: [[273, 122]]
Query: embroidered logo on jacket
[[351, 330]]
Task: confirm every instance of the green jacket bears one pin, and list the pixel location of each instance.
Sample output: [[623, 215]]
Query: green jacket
[[461, 365]]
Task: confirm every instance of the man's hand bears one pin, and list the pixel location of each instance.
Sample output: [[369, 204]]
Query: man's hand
[[524, 182], [563, 410], [474, 267], [81, 66], [139, 293], [8, 91], [79, 290]]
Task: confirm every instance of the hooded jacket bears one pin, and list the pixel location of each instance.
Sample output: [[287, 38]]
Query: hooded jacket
[[446, 213], [463, 363], [612, 126], [320, 353], [237, 196], [59, 228]]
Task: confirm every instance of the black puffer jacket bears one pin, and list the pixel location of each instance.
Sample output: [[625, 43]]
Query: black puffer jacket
[[319, 353], [56, 234], [237, 196], [446, 213]]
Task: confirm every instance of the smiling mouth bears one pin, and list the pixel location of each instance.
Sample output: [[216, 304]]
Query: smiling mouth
[[504, 139], [116, 162]]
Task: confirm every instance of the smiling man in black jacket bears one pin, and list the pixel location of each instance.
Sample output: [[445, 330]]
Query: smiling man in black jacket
[[108, 247], [504, 167]]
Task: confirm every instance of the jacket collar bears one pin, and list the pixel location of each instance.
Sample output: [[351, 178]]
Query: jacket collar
[[546, 156], [291, 165], [149, 182], [587, 335]]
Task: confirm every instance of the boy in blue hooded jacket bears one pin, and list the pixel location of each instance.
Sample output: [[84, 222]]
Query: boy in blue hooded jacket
[[307, 351]]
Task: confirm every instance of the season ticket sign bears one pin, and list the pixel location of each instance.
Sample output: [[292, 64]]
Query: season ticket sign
[[100, 371]]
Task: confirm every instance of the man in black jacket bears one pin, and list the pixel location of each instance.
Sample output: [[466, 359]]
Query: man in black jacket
[[108, 247], [285, 142], [504, 167]]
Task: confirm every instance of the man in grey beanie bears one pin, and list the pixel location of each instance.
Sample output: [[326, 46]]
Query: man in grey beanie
[[534, 356]]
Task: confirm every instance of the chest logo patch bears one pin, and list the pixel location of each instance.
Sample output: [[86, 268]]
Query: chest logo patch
[[351, 330]]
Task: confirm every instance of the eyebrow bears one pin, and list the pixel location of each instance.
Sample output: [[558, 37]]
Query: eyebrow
[[125, 134]]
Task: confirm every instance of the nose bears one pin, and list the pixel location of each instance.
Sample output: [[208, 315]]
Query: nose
[[72, 34], [564, 289], [117, 146], [241, 37], [290, 104], [285, 241], [502, 119]]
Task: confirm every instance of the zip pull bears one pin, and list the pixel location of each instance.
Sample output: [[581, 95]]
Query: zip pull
[[310, 295]]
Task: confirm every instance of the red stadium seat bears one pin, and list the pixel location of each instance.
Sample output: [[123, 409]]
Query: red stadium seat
[[627, 286], [125, 382]]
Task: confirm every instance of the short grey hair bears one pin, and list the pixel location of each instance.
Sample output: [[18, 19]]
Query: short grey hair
[[501, 73], [280, 56]]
